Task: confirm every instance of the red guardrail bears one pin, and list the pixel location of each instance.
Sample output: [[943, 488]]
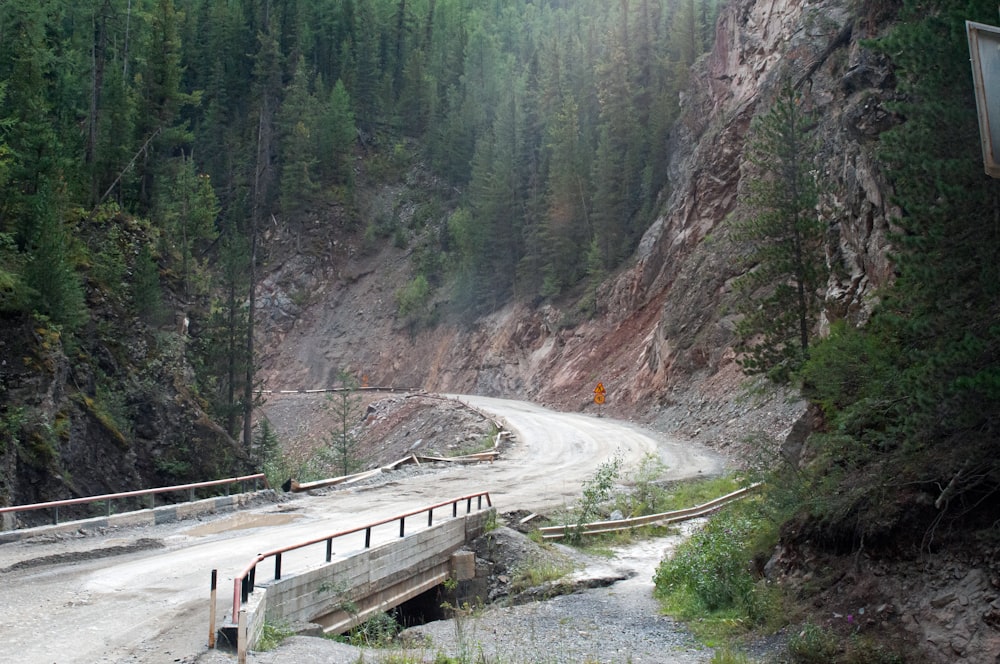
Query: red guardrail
[[56, 504], [245, 581]]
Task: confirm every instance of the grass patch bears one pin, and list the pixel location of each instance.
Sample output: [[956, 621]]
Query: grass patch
[[709, 581], [537, 573], [481, 444], [681, 495], [379, 631], [272, 635], [812, 645]]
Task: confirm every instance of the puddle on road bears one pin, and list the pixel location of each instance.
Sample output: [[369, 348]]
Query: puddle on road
[[242, 521]]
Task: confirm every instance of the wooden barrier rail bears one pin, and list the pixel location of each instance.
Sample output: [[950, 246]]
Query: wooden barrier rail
[[245, 581], [109, 497], [601, 527]]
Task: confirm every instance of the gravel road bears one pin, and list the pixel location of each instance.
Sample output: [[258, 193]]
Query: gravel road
[[149, 603]]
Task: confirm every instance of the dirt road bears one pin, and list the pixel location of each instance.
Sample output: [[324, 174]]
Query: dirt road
[[146, 600]]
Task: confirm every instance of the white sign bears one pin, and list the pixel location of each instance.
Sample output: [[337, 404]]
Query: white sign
[[984, 50]]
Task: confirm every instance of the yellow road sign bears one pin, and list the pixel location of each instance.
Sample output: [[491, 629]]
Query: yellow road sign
[[598, 398], [599, 389]]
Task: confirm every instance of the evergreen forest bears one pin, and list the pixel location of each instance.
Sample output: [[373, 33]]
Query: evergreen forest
[[146, 144]]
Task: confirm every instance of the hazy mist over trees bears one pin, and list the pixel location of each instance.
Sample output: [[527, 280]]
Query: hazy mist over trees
[[194, 121]]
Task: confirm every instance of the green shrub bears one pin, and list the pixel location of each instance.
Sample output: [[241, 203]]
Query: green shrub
[[726, 656], [533, 574], [376, 632], [271, 636], [596, 492], [812, 645], [712, 566], [413, 298]]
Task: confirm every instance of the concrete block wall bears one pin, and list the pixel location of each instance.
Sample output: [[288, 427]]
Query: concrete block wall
[[146, 517], [375, 579]]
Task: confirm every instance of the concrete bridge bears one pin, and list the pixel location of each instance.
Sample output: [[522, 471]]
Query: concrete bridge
[[339, 593]]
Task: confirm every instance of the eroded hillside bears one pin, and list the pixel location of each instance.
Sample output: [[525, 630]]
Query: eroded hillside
[[662, 341]]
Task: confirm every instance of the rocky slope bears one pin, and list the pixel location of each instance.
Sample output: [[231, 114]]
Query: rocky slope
[[662, 342]]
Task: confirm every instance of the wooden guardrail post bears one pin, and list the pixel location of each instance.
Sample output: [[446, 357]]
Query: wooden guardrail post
[[241, 638], [211, 611]]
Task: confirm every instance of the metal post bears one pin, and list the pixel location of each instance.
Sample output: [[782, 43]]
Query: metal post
[[479, 504], [253, 577], [109, 508], [430, 517], [468, 506], [368, 537], [277, 567], [402, 525], [211, 610], [454, 509], [191, 495], [55, 518], [329, 550]]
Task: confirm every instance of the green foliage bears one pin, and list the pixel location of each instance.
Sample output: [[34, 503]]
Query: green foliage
[[711, 572], [187, 213], [646, 495], [346, 407], [548, 111], [336, 136], [50, 271], [147, 294], [272, 635], [786, 267], [597, 491], [812, 645], [910, 399], [536, 573], [376, 632], [11, 422], [726, 656], [267, 455], [299, 121], [109, 406], [14, 293]]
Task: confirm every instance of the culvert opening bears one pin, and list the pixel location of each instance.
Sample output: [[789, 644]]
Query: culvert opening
[[424, 608], [381, 630]]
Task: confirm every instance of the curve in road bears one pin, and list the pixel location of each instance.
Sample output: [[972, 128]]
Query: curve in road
[[151, 605]]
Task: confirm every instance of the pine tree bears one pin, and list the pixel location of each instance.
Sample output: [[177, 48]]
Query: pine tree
[[786, 265], [567, 230], [50, 271], [147, 294], [336, 137], [346, 405], [187, 209], [298, 122]]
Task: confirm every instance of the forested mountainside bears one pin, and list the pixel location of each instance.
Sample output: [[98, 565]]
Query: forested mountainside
[[202, 198], [154, 149]]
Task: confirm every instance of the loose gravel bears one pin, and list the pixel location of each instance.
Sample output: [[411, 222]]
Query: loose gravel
[[616, 623]]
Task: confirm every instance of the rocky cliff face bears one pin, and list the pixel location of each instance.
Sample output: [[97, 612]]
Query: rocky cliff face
[[662, 343]]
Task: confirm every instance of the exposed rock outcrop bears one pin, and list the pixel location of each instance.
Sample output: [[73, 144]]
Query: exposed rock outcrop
[[662, 344]]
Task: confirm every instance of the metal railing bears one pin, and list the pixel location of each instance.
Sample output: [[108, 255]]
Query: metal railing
[[109, 498], [602, 527], [245, 581]]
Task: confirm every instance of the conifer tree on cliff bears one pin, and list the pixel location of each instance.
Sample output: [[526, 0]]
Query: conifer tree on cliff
[[785, 262]]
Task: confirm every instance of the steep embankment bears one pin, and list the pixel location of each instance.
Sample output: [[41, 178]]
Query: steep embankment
[[662, 342]]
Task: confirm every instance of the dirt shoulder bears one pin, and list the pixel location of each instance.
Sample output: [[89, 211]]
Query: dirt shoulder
[[387, 425]]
